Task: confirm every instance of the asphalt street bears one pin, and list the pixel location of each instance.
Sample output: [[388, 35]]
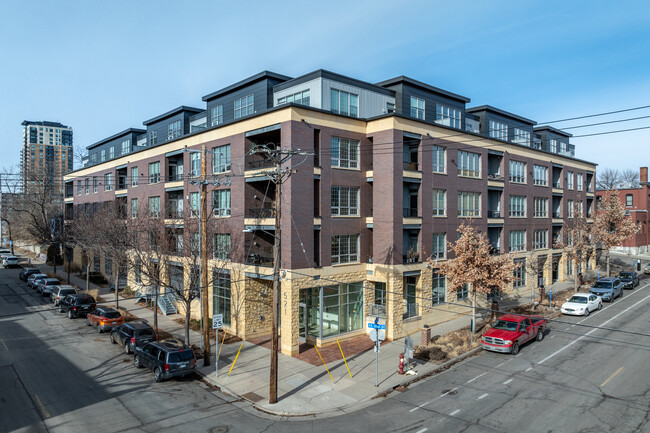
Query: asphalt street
[[58, 375]]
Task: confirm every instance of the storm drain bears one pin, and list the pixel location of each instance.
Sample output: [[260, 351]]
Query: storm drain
[[251, 396]]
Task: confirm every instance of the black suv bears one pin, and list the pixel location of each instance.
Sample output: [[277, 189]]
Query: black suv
[[167, 359], [132, 335], [77, 304]]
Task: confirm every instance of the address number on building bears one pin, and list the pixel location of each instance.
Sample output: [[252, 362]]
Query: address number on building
[[217, 321]]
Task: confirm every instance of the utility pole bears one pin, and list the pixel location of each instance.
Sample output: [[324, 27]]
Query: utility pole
[[204, 258], [278, 176]]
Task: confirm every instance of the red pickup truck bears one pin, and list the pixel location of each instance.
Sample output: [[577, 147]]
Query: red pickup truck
[[511, 331]]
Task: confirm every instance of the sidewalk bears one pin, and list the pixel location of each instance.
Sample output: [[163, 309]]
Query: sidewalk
[[304, 389]]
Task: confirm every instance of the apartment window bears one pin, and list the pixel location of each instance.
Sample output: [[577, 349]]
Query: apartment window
[[469, 164], [541, 207], [517, 171], [87, 186], [463, 292], [345, 200], [344, 103], [195, 164], [108, 181], [563, 147], [552, 144], [469, 204], [80, 187], [517, 240], [154, 172], [521, 136], [517, 206], [244, 106], [390, 107], [417, 108], [439, 246], [134, 208], [174, 130], [570, 208], [102, 154], [221, 159], [95, 184], [221, 246], [579, 181], [154, 207], [519, 273], [498, 130], [438, 159], [540, 175], [217, 115], [221, 202], [153, 138], [447, 116], [222, 294], [134, 176], [438, 288], [439, 202], [345, 152], [628, 200], [345, 249], [126, 146], [569, 180], [301, 98], [540, 239], [380, 293], [194, 203], [111, 152]]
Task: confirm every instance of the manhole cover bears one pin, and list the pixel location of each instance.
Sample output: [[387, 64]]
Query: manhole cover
[[219, 429], [449, 392]]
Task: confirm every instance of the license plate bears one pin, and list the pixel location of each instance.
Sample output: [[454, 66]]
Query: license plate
[[183, 365]]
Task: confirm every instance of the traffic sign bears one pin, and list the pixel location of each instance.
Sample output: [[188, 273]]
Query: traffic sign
[[376, 326], [217, 321], [377, 334]]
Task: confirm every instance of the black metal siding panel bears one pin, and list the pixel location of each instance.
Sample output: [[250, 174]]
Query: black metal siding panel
[[502, 119], [262, 92], [118, 147], [430, 101], [162, 127]]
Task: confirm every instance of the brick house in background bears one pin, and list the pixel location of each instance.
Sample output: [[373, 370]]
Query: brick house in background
[[637, 205]]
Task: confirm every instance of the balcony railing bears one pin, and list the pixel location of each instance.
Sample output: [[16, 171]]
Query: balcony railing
[[410, 258], [176, 214], [410, 166], [557, 184], [258, 259], [495, 176], [261, 213], [557, 214], [261, 163], [377, 310], [174, 177], [495, 250], [494, 214], [410, 212]]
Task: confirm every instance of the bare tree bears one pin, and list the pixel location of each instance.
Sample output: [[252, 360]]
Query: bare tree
[[474, 265], [608, 179], [630, 177], [578, 243], [611, 226]]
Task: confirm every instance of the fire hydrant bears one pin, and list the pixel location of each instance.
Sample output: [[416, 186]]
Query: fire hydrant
[[400, 368]]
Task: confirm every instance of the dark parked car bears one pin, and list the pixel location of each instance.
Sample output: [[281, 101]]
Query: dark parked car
[[608, 288], [132, 335], [104, 319], [26, 272], [77, 305], [630, 279], [167, 359]]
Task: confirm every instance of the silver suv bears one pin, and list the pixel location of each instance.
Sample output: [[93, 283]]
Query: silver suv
[[608, 288], [60, 292]]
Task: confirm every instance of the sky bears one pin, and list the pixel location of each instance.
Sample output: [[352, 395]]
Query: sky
[[102, 67]]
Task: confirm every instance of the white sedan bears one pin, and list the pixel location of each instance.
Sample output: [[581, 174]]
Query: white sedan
[[581, 304]]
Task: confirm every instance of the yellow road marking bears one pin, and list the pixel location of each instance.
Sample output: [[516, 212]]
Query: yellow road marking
[[45, 412], [4, 344], [611, 377]]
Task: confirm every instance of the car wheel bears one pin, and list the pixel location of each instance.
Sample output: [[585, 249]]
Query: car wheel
[[621, 295], [600, 305], [99, 329], [540, 335], [127, 348], [515, 348], [157, 374], [587, 311], [70, 315], [113, 338], [136, 361]]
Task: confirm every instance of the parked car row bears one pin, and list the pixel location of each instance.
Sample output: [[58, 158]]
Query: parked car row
[[167, 359], [604, 289]]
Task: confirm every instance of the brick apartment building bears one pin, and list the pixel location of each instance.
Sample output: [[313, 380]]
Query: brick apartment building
[[394, 168], [637, 205]]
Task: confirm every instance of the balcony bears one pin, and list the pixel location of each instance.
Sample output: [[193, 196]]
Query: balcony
[[412, 166], [557, 184], [410, 212], [261, 213], [258, 259], [494, 214], [557, 214], [261, 163], [377, 310], [495, 176], [175, 213], [411, 258]]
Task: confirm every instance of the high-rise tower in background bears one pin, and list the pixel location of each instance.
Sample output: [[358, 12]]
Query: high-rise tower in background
[[47, 153]]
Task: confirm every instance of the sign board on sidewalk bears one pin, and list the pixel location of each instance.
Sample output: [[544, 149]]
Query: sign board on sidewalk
[[377, 334], [217, 321]]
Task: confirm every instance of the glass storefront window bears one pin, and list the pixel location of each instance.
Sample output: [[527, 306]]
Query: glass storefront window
[[333, 310]]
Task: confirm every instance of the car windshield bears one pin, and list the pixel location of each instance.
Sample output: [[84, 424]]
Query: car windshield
[[578, 299], [626, 275], [112, 314], [602, 285], [64, 292], [182, 356], [505, 325]]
